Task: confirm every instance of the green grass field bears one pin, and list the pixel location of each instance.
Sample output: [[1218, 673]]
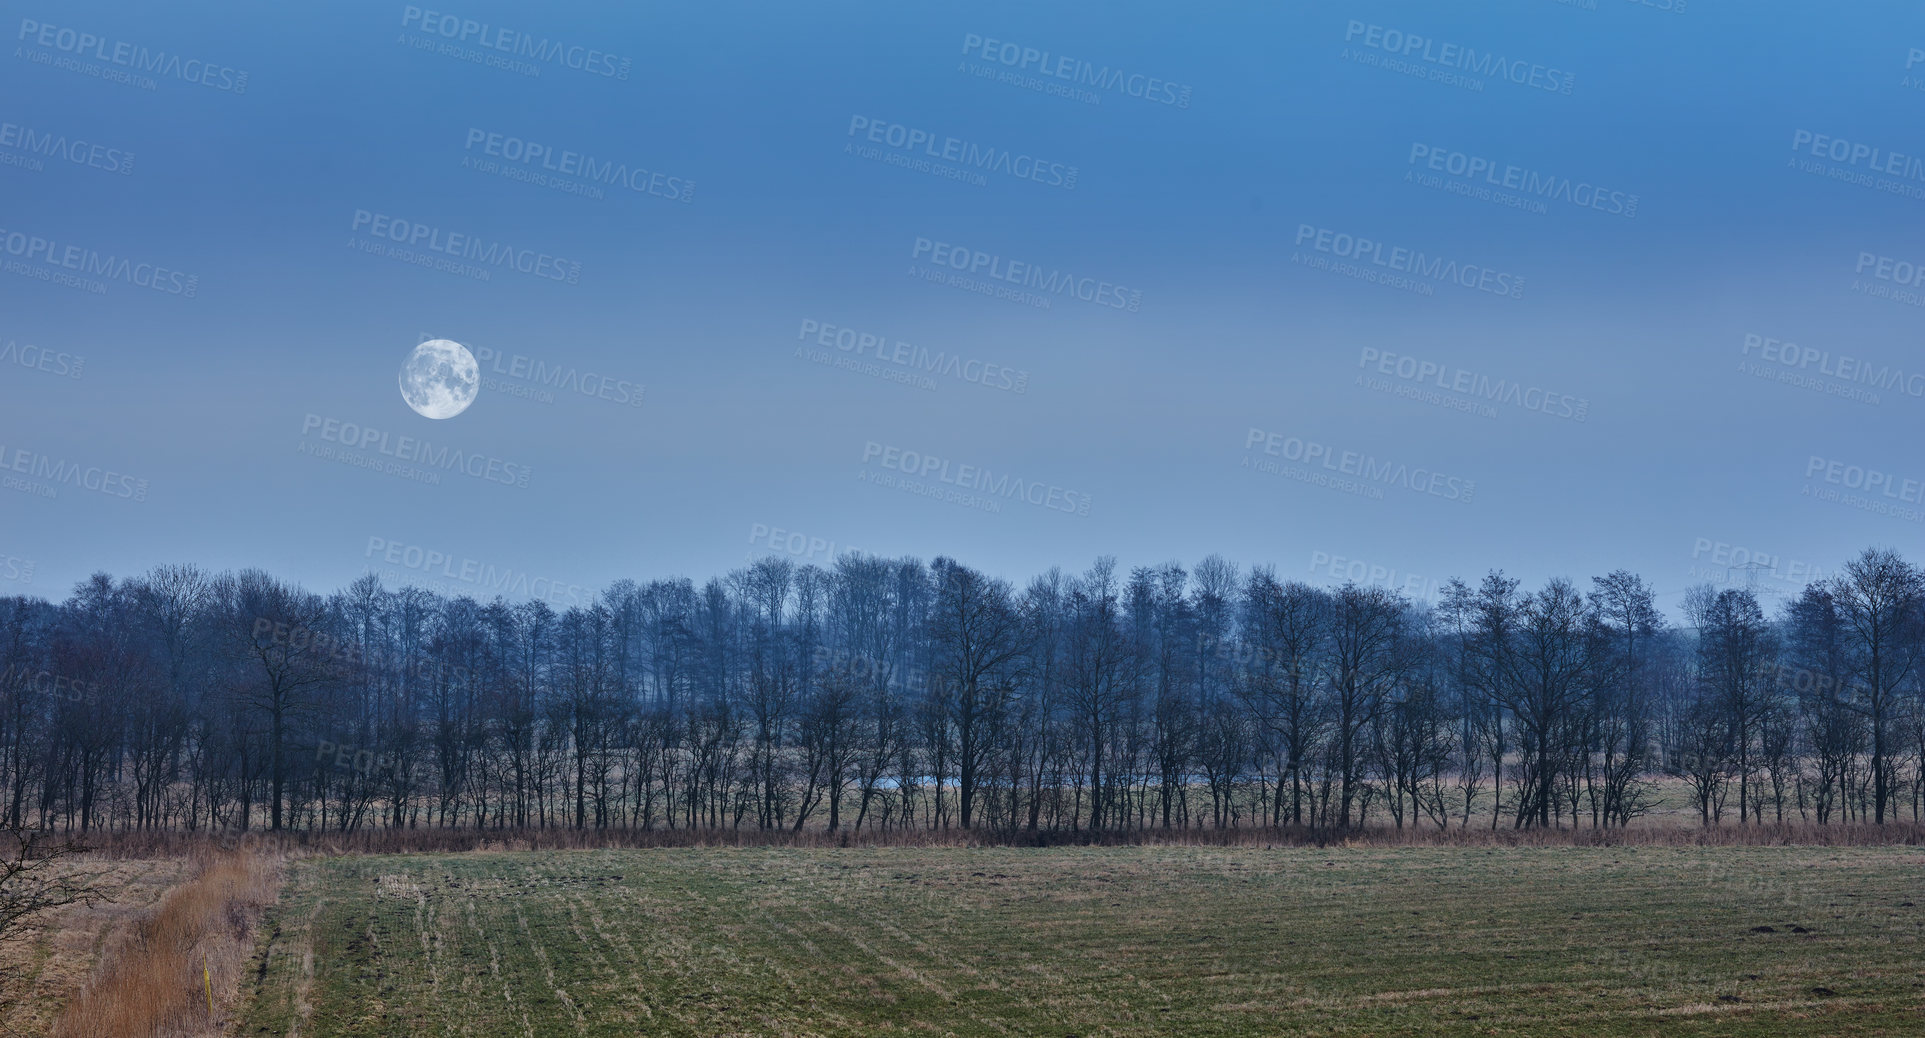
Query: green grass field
[[1126, 941]]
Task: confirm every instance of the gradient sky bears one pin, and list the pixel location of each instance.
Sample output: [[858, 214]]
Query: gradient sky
[[1292, 120]]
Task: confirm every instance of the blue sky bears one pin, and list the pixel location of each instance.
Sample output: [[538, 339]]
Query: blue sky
[[761, 215]]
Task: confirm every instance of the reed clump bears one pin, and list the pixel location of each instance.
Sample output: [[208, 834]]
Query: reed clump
[[195, 944]]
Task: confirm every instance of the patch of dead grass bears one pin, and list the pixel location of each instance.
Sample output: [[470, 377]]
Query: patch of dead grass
[[49, 964], [176, 971]]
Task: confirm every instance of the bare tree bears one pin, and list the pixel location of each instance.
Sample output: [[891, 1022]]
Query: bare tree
[[1881, 600], [978, 638], [1284, 664], [284, 634], [37, 875], [1631, 625], [1369, 655], [1541, 669], [1737, 650]]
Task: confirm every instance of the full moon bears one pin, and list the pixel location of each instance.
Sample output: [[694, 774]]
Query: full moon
[[439, 379]]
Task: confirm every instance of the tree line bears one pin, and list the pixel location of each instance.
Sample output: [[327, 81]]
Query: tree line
[[881, 693]]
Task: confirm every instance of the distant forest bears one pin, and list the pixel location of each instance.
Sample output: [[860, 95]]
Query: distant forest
[[892, 694]]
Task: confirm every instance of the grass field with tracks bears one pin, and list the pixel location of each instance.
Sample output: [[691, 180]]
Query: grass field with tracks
[[1117, 941]]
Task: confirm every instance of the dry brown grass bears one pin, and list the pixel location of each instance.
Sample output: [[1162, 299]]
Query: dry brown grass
[[447, 841], [152, 983], [51, 962]]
